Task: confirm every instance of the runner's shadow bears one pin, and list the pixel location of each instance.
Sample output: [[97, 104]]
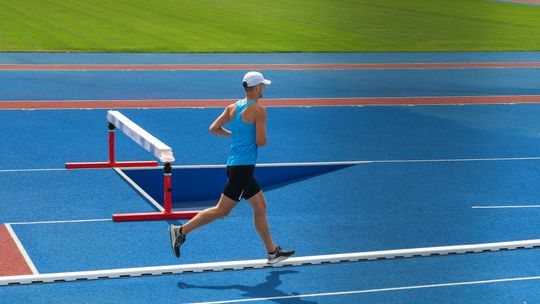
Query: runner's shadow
[[267, 289]]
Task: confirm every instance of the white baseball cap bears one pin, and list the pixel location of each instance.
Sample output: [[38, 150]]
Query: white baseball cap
[[254, 78]]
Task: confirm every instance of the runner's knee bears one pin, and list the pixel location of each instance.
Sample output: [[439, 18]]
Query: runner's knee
[[223, 211]]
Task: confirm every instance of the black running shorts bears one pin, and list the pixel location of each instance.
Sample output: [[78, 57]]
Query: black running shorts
[[241, 183]]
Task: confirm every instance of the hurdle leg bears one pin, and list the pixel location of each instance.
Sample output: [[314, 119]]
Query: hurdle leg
[[167, 185], [167, 213], [112, 161], [111, 143]]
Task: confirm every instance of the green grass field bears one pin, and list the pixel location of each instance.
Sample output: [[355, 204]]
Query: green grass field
[[267, 26]]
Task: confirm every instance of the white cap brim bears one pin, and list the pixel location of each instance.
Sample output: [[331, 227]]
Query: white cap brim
[[267, 82]]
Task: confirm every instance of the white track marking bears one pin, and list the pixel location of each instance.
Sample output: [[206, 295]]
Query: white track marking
[[140, 190], [22, 250], [454, 160], [33, 170], [61, 222], [339, 293], [259, 264], [505, 207], [352, 162]]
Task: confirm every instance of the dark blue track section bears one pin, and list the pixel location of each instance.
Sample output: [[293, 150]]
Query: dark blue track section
[[203, 184], [295, 58], [141, 85]]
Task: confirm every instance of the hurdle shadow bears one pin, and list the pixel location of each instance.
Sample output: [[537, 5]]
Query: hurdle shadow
[[201, 186], [266, 289]]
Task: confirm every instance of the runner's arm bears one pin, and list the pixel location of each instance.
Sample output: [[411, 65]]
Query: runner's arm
[[217, 126], [260, 128]]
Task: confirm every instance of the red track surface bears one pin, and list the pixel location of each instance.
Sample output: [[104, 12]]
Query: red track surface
[[525, 1], [12, 261], [278, 102]]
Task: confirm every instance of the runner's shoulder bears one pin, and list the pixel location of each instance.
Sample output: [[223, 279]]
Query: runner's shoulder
[[259, 107]]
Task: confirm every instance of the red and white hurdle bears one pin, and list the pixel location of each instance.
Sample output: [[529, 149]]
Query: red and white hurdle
[[150, 143]]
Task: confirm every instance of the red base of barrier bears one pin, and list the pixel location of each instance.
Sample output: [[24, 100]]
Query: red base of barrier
[[154, 216], [126, 164]]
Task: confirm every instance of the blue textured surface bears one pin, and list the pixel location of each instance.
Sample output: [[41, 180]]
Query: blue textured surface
[[90, 85], [348, 133], [364, 217], [359, 208], [65, 195]]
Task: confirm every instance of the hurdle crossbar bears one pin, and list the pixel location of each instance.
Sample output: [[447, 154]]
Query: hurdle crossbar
[[260, 264], [143, 138]]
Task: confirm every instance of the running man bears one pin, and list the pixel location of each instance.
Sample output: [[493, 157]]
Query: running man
[[247, 120]]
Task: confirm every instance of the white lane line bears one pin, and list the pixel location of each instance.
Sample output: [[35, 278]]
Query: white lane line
[[61, 222], [260, 264], [352, 162], [454, 160], [140, 190], [506, 207], [22, 250], [33, 170], [360, 162], [326, 294]]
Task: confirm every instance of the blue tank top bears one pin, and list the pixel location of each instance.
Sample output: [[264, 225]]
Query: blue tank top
[[243, 145]]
